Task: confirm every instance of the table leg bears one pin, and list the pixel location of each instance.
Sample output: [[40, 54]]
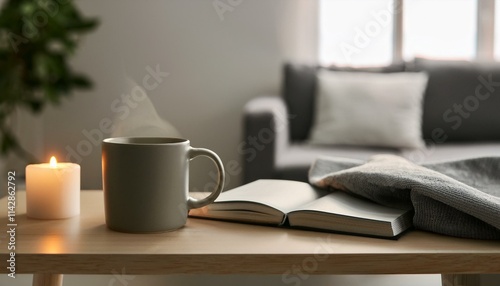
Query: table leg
[[460, 279], [45, 279]]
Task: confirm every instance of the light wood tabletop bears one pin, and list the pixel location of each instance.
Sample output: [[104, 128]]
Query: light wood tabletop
[[84, 245]]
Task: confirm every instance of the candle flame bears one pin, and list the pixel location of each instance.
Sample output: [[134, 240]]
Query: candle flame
[[53, 162]]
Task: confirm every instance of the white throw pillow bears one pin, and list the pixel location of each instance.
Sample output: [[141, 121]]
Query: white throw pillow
[[369, 109]]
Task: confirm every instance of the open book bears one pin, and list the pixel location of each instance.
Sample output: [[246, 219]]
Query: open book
[[300, 205]]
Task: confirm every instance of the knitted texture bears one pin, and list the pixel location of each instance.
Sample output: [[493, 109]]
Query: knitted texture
[[457, 198]]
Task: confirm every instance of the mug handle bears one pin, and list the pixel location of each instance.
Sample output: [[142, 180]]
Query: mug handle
[[221, 177]]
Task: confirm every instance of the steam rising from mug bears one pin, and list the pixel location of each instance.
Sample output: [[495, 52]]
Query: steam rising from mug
[[142, 120]]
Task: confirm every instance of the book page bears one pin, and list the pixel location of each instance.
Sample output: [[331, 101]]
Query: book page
[[282, 195], [340, 203]]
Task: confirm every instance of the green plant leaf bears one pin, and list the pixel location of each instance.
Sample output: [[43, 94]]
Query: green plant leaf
[[9, 142], [34, 58], [83, 26], [34, 105], [80, 81]]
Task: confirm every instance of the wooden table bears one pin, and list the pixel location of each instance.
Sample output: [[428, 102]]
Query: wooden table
[[83, 245]]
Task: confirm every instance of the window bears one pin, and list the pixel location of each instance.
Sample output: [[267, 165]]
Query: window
[[356, 32], [377, 32], [439, 29]]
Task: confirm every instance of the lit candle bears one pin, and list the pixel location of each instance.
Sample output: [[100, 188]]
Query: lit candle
[[52, 190]]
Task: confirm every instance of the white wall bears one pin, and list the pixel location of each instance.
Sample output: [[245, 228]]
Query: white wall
[[215, 66]]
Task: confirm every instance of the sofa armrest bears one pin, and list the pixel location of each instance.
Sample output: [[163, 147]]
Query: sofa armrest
[[266, 134]]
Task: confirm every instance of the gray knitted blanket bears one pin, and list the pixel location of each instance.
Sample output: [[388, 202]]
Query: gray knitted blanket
[[458, 198]]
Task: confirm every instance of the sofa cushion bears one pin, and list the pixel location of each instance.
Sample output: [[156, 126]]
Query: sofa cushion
[[462, 100], [294, 162], [452, 151], [369, 109], [299, 89], [303, 155]]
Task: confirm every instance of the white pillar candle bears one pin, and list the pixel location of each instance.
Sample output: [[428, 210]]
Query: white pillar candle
[[52, 190]]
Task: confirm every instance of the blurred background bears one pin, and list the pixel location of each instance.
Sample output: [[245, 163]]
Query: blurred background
[[201, 61]]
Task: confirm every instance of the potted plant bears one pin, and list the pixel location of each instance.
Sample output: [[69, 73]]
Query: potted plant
[[37, 37]]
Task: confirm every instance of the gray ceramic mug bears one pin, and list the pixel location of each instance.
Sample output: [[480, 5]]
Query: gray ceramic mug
[[145, 183]]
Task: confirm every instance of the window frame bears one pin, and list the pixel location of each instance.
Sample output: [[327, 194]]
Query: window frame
[[485, 34]]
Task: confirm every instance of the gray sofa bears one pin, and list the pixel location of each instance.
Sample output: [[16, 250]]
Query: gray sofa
[[461, 119]]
